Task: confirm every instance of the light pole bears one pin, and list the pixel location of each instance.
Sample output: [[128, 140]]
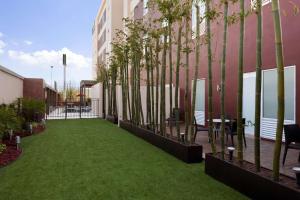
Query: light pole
[[65, 92], [51, 76], [65, 66]]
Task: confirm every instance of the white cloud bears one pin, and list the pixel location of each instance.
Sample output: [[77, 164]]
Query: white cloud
[[47, 58], [37, 64], [1, 34], [28, 42], [2, 45]]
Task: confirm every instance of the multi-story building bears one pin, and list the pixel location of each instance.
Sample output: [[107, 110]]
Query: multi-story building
[[290, 32], [107, 22]]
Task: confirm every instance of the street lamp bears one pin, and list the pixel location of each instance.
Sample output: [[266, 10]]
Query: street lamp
[[51, 76]]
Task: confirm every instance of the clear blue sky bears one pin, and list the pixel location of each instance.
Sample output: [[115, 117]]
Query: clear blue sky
[[33, 34]]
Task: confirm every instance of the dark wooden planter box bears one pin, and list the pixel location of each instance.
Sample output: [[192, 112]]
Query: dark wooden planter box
[[184, 152], [247, 182], [112, 119]]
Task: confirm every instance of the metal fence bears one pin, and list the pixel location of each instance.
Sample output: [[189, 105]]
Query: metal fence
[[74, 110]]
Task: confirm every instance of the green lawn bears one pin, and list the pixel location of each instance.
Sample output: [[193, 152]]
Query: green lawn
[[93, 159]]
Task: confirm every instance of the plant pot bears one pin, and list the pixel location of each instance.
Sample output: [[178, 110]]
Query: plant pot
[[247, 181], [185, 152]]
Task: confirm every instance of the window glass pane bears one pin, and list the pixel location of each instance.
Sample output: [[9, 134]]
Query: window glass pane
[[270, 94], [200, 96], [289, 93]]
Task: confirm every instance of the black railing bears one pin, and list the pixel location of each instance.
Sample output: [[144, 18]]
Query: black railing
[[74, 110]]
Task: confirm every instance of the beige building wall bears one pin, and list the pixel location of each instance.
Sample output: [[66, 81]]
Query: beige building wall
[[109, 19], [11, 87]]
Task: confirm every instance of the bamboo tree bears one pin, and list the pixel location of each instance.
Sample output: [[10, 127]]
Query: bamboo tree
[[157, 50], [171, 16], [258, 85], [223, 76], [178, 56], [240, 127], [280, 88], [187, 51], [127, 82], [197, 55], [152, 86], [102, 78], [210, 96], [148, 96], [163, 87]]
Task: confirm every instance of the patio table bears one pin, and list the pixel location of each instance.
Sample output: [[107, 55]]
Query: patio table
[[217, 125]]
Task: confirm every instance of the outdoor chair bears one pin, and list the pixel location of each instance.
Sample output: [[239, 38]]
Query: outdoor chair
[[232, 131], [198, 128], [171, 121], [292, 139]]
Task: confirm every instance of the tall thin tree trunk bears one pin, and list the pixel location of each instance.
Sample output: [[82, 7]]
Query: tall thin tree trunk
[[152, 87], [163, 88], [109, 96], [170, 74], [223, 76], [123, 84], [140, 108], [280, 88], [148, 119], [133, 92], [104, 96], [240, 126], [127, 86], [179, 48], [197, 55], [157, 83], [187, 71], [210, 95], [258, 85]]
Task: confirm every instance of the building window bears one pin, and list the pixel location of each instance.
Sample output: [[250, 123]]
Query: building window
[[202, 8], [270, 93], [200, 96], [145, 7], [263, 2], [102, 21], [102, 40], [200, 101]]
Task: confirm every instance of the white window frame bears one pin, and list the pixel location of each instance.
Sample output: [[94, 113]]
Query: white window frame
[[202, 5]]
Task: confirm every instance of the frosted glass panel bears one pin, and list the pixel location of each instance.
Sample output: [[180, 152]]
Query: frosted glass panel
[[270, 94], [289, 93], [200, 96]]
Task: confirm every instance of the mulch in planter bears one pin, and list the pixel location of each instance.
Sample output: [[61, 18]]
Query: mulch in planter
[[10, 154], [36, 130], [39, 129]]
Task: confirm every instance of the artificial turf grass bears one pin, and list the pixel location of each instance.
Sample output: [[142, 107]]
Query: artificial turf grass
[[94, 159]]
